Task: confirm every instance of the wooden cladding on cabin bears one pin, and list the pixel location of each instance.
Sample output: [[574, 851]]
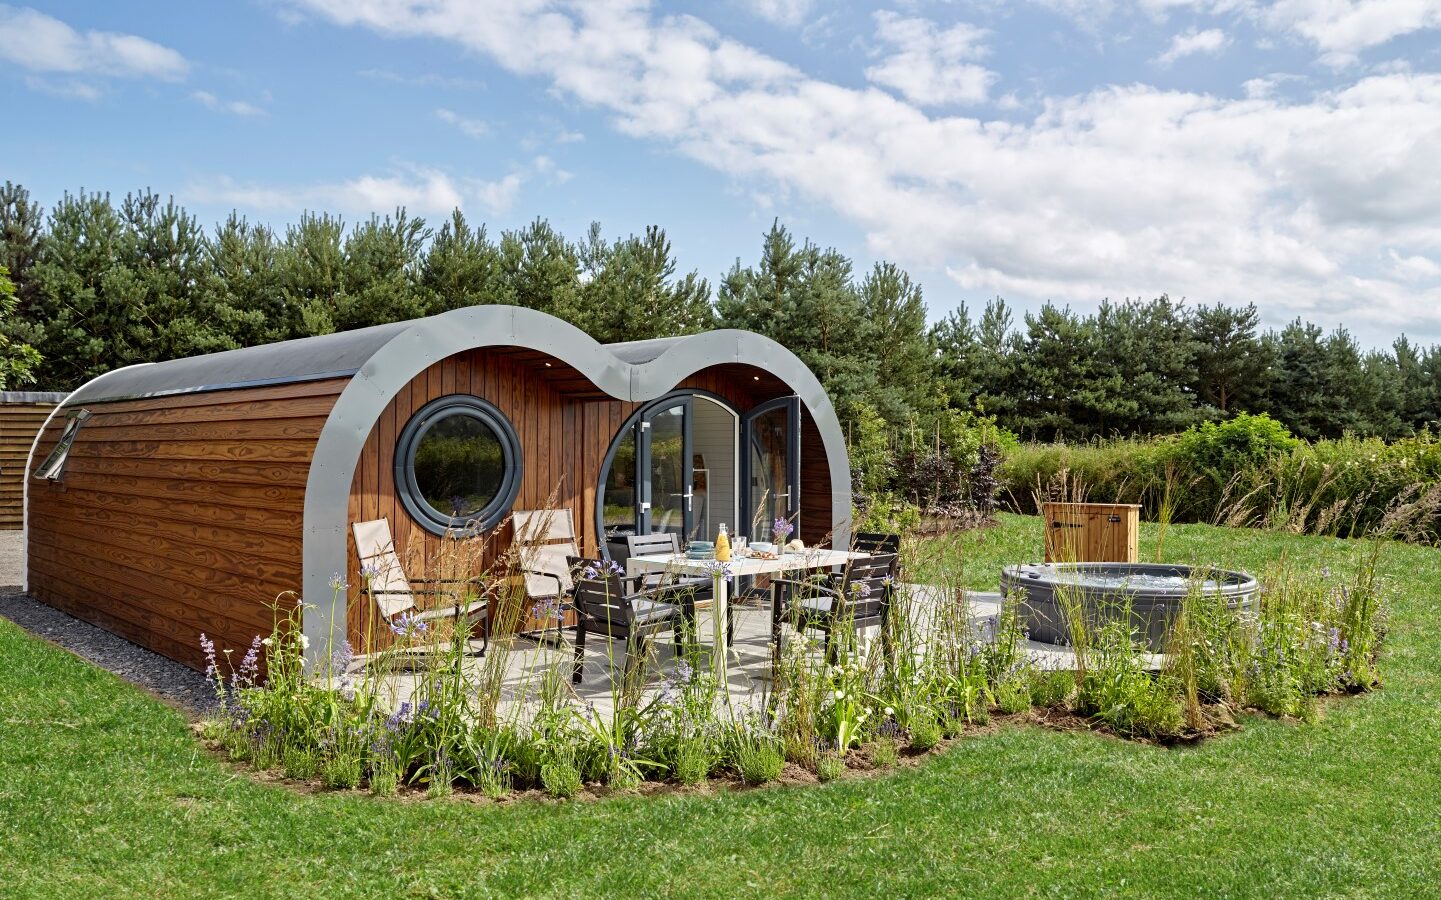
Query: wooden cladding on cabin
[[19, 423], [179, 515], [565, 426]]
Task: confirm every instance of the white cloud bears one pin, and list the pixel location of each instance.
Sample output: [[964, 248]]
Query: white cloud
[[1209, 42], [789, 13], [421, 190], [1292, 204], [473, 128], [1340, 29], [69, 89], [41, 43], [1343, 28], [235, 107], [1264, 87], [930, 65]]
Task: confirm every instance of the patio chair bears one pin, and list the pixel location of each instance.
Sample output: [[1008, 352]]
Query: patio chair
[[875, 542], [545, 540], [861, 599], [701, 587], [606, 604], [395, 594]]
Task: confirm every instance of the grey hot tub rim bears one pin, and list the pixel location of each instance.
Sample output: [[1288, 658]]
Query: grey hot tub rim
[[1036, 590], [1228, 583]]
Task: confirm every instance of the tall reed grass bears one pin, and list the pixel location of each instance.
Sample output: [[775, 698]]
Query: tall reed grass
[[421, 712]]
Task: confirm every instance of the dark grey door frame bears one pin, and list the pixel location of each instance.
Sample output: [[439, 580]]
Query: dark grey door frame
[[792, 405], [645, 500]]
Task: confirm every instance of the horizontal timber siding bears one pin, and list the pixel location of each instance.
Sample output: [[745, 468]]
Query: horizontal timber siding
[[19, 423], [179, 515]]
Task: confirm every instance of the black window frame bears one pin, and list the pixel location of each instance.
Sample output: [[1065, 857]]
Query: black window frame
[[406, 486], [53, 466]]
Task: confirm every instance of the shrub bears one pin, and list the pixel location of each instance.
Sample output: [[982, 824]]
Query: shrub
[[830, 766], [925, 734], [885, 754], [693, 761], [759, 759], [341, 771], [560, 778], [1013, 695], [1218, 450]]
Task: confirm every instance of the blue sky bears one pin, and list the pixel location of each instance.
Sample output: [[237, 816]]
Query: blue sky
[[1281, 152]]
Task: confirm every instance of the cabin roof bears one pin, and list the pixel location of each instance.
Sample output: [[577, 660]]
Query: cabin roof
[[343, 353], [336, 355]]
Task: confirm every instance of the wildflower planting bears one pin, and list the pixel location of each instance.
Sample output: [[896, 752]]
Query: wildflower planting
[[105, 793], [423, 714]]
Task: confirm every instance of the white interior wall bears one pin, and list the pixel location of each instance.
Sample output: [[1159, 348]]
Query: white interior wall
[[714, 435]]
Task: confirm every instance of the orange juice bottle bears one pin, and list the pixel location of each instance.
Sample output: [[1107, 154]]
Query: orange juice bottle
[[723, 545]]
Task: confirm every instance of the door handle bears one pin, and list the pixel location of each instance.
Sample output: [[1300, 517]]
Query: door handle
[[644, 507]]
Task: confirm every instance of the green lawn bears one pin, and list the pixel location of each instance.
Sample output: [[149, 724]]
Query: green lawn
[[103, 791]]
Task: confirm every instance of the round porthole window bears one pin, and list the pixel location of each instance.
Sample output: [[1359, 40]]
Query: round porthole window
[[457, 465]]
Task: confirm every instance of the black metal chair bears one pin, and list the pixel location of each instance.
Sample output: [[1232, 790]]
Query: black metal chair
[[608, 604], [875, 542], [702, 588], [860, 598], [664, 542]]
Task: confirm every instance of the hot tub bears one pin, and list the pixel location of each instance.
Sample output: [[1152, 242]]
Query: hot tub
[[1152, 592]]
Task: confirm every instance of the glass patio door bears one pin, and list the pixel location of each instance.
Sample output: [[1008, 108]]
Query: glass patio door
[[770, 466], [664, 470]]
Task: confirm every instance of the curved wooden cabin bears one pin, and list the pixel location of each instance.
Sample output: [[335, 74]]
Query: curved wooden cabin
[[194, 492]]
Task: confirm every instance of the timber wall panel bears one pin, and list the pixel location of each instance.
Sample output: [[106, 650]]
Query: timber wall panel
[[19, 423], [180, 514]]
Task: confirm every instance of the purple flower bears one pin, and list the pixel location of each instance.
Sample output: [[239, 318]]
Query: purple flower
[[338, 583], [400, 719], [717, 569], [249, 671], [590, 572], [342, 657], [549, 608], [781, 529], [409, 624], [212, 671], [614, 568]]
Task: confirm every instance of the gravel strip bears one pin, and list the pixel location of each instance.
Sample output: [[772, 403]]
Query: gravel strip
[[163, 677]]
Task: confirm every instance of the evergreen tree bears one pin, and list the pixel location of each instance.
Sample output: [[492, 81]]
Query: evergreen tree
[[21, 228], [461, 268], [1231, 361], [630, 291], [382, 265], [115, 287], [17, 360], [540, 269]]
